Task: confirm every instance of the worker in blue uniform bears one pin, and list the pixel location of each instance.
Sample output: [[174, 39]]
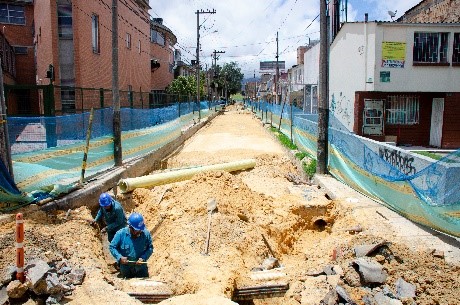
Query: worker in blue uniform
[[131, 247], [113, 214]]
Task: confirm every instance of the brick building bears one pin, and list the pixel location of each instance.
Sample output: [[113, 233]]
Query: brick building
[[76, 39], [433, 11], [17, 53], [163, 55]]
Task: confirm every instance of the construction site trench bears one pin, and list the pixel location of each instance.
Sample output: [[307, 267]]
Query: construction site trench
[[274, 237]]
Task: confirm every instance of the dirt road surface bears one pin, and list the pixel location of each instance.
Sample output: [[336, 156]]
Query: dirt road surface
[[311, 229]]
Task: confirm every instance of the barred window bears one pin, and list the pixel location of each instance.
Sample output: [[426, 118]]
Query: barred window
[[456, 49], [402, 110], [430, 47], [10, 13]]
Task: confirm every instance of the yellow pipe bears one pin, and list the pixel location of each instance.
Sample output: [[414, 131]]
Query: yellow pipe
[[129, 184]]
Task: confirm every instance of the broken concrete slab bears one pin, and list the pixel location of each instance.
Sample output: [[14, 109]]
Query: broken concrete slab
[[331, 298], [352, 278], [3, 295], [381, 299], [370, 270], [344, 295], [16, 289], [36, 271], [329, 270], [365, 250], [7, 275], [404, 289], [76, 276]]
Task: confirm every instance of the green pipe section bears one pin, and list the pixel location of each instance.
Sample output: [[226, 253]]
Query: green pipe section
[[129, 184]]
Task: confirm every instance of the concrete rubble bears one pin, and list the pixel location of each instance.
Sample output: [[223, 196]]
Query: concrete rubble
[[365, 273], [43, 281]]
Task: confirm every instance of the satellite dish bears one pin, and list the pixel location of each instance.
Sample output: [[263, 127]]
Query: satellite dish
[[392, 14]]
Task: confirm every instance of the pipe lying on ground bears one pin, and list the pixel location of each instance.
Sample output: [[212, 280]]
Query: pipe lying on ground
[[129, 184]]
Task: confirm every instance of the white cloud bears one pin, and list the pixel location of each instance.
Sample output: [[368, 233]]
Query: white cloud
[[247, 28]]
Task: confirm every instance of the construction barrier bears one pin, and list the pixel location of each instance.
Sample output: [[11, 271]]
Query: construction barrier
[[421, 189]]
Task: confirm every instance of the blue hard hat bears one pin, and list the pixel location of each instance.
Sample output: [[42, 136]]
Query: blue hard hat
[[105, 200], [136, 221]]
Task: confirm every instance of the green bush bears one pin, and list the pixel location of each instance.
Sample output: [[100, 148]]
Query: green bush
[[310, 167]]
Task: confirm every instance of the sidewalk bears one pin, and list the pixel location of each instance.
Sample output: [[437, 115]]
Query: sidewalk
[[385, 223]]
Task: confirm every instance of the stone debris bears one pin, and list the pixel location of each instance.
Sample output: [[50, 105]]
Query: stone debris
[[7, 275], [382, 299], [44, 281], [3, 295], [16, 289], [404, 289], [35, 271], [438, 253], [370, 270], [344, 295], [366, 250]]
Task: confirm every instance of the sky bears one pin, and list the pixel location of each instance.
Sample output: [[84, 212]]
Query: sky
[[246, 29]]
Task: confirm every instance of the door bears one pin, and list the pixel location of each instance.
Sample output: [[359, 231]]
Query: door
[[373, 117], [437, 119]]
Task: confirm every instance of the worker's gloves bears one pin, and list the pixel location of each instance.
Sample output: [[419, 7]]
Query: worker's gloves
[[139, 261], [123, 260]]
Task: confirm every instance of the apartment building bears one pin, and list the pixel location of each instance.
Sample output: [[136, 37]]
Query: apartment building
[[163, 55], [73, 39]]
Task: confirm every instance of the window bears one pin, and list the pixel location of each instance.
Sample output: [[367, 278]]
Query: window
[[64, 21], [402, 110], [95, 33], [10, 13], [20, 50], [157, 37], [430, 48], [128, 40], [456, 49]]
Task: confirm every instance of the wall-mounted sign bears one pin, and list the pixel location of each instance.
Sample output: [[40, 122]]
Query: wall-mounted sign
[[393, 54], [384, 76]]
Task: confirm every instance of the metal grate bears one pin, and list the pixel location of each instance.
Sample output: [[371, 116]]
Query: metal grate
[[403, 110], [431, 47]]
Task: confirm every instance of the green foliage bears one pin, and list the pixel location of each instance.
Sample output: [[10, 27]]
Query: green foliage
[[308, 167], [429, 155], [183, 85], [230, 74], [237, 97], [285, 141]]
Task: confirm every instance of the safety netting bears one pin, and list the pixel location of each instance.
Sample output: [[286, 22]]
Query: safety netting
[[423, 189], [47, 152]]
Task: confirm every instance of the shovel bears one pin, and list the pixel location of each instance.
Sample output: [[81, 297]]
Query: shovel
[[212, 206]]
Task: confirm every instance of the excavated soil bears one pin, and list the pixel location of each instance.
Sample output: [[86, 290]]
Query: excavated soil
[[301, 225]]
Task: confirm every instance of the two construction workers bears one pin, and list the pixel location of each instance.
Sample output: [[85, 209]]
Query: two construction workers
[[131, 245]]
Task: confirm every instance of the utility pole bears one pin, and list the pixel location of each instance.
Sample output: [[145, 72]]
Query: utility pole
[[323, 103], [277, 70], [198, 12], [215, 57], [255, 86], [117, 153]]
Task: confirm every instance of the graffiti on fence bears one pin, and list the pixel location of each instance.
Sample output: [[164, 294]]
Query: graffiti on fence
[[397, 159]]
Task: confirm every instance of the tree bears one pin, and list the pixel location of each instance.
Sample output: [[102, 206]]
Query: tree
[[186, 85], [231, 75], [183, 85]]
